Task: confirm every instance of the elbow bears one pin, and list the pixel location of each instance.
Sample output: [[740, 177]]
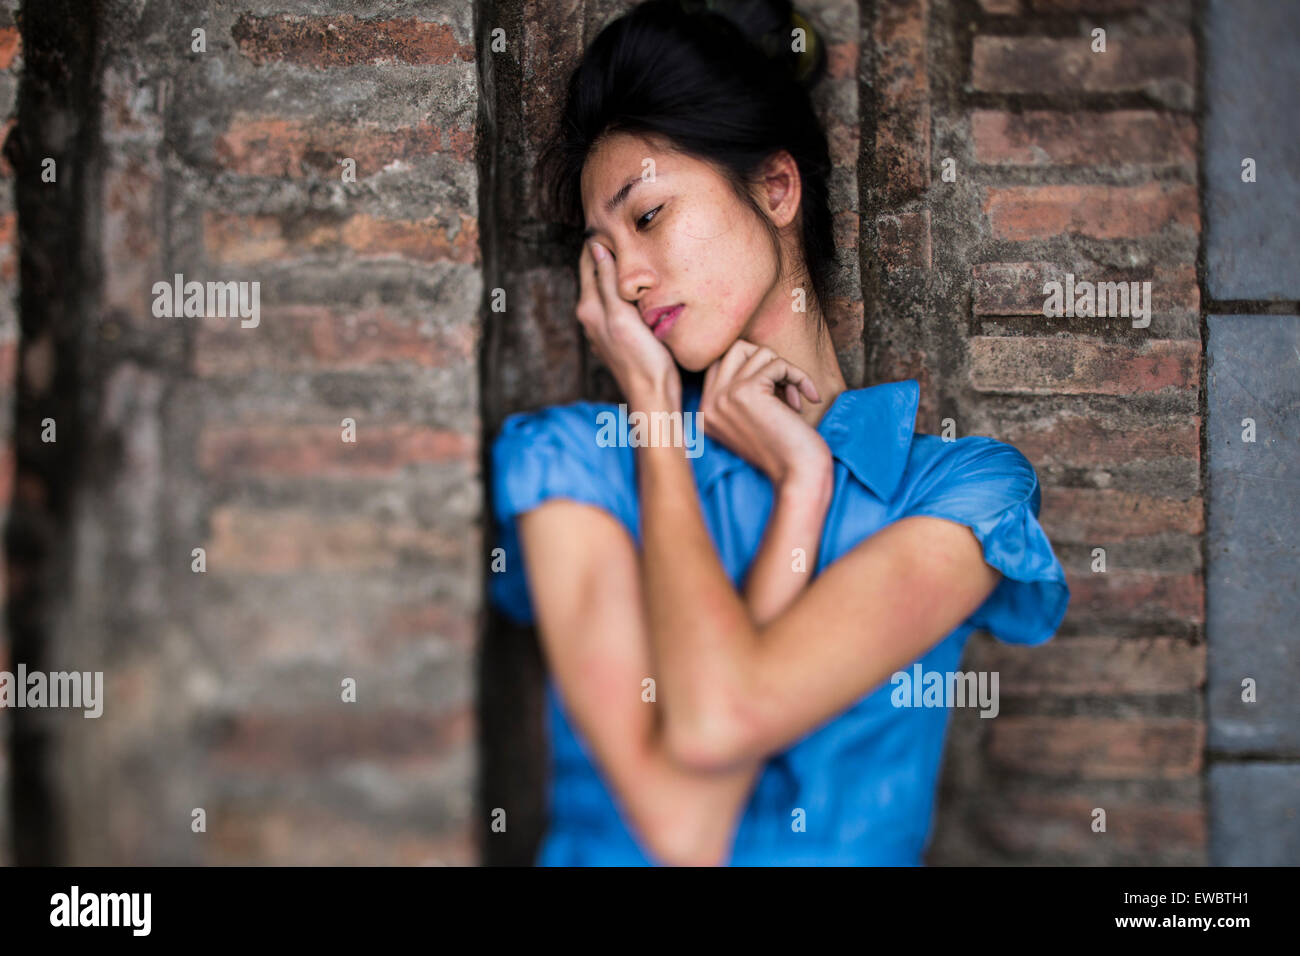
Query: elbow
[[688, 839], [716, 739], [675, 849]]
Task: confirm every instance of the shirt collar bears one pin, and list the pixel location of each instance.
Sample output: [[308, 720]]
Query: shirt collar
[[868, 429]]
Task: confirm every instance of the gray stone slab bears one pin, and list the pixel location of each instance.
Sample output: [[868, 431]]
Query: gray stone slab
[[1254, 814], [1252, 61], [1253, 572]]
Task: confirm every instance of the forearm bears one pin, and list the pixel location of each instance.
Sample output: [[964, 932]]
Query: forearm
[[778, 574], [689, 816], [692, 812], [701, 633]]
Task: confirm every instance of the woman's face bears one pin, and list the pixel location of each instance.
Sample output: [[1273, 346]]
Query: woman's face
[[680, 235]]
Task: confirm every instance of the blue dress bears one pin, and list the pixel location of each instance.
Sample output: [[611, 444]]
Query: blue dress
[[866, 779]]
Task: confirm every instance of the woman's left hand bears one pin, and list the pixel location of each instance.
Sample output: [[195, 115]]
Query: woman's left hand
[[750, 401]]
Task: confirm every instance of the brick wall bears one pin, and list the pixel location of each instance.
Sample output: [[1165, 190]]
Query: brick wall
[[326, 559], [329, 559], [1060, 160]]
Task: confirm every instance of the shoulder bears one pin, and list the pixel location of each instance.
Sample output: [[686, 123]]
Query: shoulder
[[580, 432], [987, 473], [992, 488], [573, 424], [561, 451]]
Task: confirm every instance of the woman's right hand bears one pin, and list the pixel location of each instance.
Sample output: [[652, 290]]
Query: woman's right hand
[[641, 364], [750, 402]]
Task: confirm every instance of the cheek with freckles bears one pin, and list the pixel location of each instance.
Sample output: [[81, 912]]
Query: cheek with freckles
[[722, 264]]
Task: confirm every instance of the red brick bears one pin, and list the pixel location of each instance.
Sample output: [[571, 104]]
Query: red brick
[[903, 148], [1084, 441], [1100, 212], [546, 43], [1087, 665], [842, 60], [260, 832], [305, 336], [8, 248], [7, 462], [903, 91], [1099, 748], [319, 451], [1034, 64], [5, 169], [127, 115], [1080, 366], [1095, 516], [260, 541], [347, 41], [1093, 6], [845, 317], [844, 142], [249, 240], [133, 230], [261, 634], [1054, 825], [1016, 288], [846, 225], [420, 620], [270, 146], [1119, 593], [1051, 137], [11, 46], [900, 32], [338, 734], [904, 240]]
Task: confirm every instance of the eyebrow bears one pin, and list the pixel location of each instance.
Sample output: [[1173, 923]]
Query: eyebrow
[[614, 202]]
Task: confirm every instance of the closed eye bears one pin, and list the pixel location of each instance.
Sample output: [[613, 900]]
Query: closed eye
[[643, 218]]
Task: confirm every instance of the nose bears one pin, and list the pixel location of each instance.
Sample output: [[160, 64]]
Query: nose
[[634, 277]]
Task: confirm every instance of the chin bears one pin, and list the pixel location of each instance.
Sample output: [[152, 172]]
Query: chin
[[696, 356], [692, 363]]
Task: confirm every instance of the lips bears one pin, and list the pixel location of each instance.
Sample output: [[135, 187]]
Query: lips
[[653, 317], [667, 321]]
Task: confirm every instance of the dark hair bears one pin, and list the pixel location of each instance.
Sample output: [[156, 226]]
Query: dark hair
[[717, 79]]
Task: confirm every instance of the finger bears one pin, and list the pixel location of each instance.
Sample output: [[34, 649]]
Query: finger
[[800, 378], [779, 370], [796, 375], [730, 363], [792, 396], [588, 306], [606, 281], [586, 271], [756, 361]]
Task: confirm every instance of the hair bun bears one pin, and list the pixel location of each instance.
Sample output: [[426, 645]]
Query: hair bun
[[770, 26]]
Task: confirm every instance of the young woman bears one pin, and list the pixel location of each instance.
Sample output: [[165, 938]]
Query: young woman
[[721, 623]]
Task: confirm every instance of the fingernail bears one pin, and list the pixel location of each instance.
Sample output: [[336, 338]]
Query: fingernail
[[598, 251]]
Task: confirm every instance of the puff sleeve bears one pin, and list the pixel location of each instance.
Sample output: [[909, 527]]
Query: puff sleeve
[[991, 487], [555, 452]]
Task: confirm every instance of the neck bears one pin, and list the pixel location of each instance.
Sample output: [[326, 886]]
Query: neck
[[793, 336]]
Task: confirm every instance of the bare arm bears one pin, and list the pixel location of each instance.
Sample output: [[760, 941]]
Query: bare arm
[[734, 690], [798, 515], [586, 582]]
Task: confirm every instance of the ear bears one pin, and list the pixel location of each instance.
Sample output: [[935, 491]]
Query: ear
[[782, 188]]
